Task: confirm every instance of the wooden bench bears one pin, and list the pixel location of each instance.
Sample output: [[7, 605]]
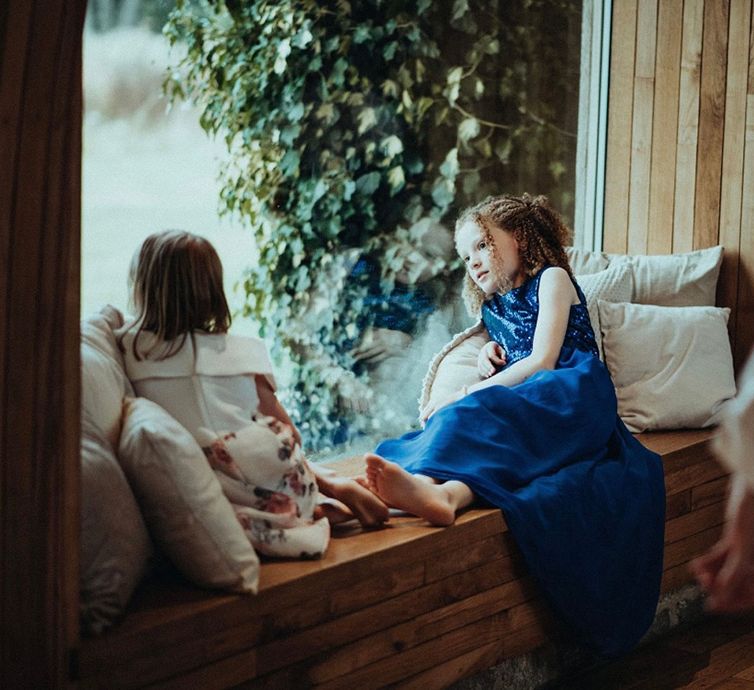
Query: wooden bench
[[409, 604]]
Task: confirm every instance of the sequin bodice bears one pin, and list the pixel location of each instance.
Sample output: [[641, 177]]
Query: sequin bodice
[[512, 317]]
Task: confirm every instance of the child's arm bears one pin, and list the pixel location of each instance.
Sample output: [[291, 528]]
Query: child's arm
[[270, 406], [556, 295]]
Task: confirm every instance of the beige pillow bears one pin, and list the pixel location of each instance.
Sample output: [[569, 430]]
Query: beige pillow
[[115, 545], [182, 502], [453, 367], [671, 366], [103, 379], [614, 284], [585, 261], [674, 280]]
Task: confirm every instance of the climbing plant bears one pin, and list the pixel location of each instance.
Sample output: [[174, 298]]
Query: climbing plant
[[349, 124]]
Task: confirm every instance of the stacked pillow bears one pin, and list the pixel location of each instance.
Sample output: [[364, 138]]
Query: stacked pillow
[[666, 347], [160, 488]]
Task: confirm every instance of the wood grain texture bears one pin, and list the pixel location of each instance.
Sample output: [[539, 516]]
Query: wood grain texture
[[664, 124], [711, 122], [40, 93], [734, 138], [438, 584], [745, 299], [688, 126], [641, 130], [620, 111]]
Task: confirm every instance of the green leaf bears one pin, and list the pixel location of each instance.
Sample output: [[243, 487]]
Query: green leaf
[[391, 146], [296, 112], [443, 193], [396, 179], [468, 129], [367, 184], [449, 167], [460, 7], [367, 119]]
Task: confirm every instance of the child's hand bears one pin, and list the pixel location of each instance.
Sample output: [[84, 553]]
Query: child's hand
[[490, 357]]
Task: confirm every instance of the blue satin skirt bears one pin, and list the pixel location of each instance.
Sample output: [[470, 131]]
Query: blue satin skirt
[[584, 500]]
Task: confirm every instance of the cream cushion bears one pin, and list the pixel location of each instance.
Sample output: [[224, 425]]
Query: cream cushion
[[585, 261], [115, 545], [614, 284], [182, 502], [454, 367], [671, 366], [674, 280], [103, 379]]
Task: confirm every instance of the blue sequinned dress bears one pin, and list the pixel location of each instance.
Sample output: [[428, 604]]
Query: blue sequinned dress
[[583, 498]]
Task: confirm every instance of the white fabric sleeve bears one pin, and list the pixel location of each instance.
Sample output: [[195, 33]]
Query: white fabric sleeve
[[735, 441]]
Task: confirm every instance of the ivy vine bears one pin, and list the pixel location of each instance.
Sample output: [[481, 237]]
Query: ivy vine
[[348, 124]]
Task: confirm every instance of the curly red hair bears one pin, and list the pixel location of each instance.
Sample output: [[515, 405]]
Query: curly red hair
[[538, 229]]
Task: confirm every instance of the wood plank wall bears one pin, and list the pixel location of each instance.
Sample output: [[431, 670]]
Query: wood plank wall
[[40, 190], [680, 150]]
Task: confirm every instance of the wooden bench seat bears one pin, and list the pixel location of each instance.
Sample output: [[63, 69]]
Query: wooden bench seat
[[408, 604]]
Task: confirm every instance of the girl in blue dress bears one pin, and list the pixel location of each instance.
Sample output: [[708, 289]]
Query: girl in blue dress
[[539, 436]]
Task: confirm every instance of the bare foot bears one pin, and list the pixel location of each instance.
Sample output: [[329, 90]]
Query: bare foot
[[365, 506], [404, 491]]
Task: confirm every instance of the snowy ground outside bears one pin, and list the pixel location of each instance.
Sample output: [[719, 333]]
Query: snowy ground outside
[[145, 170]]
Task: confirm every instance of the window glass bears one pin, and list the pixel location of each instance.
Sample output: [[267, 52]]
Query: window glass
[[341, 139]]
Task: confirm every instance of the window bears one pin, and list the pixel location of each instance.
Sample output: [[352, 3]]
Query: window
[[356, 133]]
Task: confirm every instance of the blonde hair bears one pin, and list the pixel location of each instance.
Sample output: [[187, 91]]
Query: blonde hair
[[176, 280], [537, 228]]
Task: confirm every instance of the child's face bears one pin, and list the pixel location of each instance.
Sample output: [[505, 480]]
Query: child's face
[[491, 259]]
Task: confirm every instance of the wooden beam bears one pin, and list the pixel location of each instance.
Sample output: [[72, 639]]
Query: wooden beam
[[40, 188]]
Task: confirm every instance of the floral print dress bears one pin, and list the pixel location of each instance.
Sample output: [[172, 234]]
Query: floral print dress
[[208, 386]]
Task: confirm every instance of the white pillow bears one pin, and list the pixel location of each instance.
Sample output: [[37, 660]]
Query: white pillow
[[674, 280], [614, 284], [585, 261], [671, 366], [182, 502], [115, 545], [454, 367], [103, 378]]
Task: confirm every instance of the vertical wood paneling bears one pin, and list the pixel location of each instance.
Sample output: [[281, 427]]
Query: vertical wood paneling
[[40, 133], [641, 131], [711, 118], [695, 182], [688, 126], [667, 75], [733, 153], [745, 300], [618, 165]]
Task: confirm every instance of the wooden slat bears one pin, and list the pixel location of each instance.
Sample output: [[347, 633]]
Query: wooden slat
[[618, 165], [474, 661], [248, 621], [677, 504], [694, 522], [709, 492], [745, 299], [641, 129], [688, 126], [500, 628], [665, 122], [40, 134], [711, 121], [684, 550], [352, 657], [733, 155]]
